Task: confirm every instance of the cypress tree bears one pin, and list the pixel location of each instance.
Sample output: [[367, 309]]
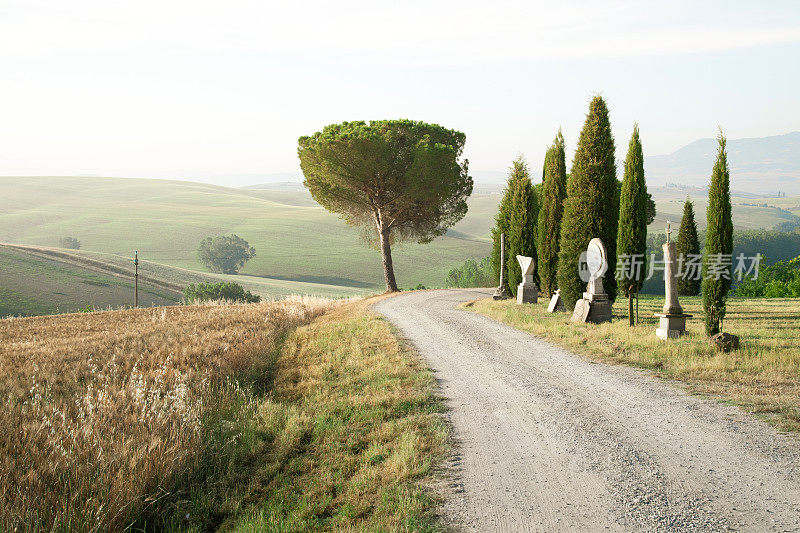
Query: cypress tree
[[554, 190], [500, 226], [516, 217], [719, 243], [633, 214], [523, 214], [591, 208], [688, 244]]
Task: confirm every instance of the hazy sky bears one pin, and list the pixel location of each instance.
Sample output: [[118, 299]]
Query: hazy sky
[[220, 90]]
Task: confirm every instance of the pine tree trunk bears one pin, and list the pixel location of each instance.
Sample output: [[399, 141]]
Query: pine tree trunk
[[388, 269]]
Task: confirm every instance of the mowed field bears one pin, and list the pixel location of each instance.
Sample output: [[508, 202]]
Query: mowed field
[[296, 240]]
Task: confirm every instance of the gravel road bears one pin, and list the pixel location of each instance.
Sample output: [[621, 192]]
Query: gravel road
[[549, 441]]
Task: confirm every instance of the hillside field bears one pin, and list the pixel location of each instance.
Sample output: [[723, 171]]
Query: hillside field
[[295, 239], [301, 248]]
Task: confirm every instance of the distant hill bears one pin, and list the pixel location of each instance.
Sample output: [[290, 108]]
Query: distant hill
[[300, 246], [763, 165]]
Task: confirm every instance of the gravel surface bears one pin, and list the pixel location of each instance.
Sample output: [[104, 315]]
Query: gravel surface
[[549, 441]]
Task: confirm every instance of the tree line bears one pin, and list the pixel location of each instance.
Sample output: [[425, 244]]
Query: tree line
[[554, 221]]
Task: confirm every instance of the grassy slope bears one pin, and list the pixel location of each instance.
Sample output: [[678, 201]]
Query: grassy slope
[[763, 375], [31, 285], [295, 415], [165, 220]]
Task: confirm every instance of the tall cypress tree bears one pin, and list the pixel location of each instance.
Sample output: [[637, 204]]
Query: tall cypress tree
[[591, 208], [554, 190], [632, 232], [523, 214], [719, 243], [688, 244], [500, 227], [516, 217]]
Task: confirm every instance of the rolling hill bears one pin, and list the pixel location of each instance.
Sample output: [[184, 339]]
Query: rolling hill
[[301, 248], [296, 240], [763, 165]]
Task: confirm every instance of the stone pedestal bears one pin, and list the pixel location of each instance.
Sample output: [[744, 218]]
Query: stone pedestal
[[594, 308], [527, 293], [556, 303], [672, 319], [671, 326]]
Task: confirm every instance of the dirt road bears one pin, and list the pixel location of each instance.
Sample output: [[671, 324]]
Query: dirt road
[[549, 441]]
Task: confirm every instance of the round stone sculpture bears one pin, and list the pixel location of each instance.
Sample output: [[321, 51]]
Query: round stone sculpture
[[596, 259]]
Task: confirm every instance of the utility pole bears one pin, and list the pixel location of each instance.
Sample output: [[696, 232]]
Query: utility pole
[[136, 279]]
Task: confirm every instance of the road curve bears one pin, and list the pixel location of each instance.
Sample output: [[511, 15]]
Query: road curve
[[549, 441]]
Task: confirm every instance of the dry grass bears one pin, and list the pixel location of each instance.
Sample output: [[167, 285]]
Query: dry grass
[[303, 414], [354, 426], [763, 376], [105, 417]]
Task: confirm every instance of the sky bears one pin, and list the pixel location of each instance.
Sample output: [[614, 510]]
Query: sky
[[221, 91]]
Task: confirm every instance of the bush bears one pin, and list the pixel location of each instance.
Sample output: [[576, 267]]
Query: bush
[[228, 291], [473, 274], [70, 243], [781, 280], [225, 253]]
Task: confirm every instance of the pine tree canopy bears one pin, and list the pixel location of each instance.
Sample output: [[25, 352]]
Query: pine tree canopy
[[398, 179]]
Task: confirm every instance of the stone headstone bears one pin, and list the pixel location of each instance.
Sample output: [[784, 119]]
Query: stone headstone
[[582, 310], [725, 342], [556, 303], [527, 291]]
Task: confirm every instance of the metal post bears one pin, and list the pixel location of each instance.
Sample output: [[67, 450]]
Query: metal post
[[136, 279]]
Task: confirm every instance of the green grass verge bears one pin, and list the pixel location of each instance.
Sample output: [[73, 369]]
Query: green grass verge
[[343, 439]]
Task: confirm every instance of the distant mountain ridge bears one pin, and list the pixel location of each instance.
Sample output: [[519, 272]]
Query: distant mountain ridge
[[762, 165]]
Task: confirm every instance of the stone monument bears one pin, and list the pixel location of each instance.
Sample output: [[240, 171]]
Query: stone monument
[[556, 303], [595, 305], [672, 323], [501, 293], [527, 291]]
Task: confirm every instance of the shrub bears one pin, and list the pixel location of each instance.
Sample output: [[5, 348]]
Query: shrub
[[227, 291], [70, 243], [781, 280], [472, 274], [225, 253]]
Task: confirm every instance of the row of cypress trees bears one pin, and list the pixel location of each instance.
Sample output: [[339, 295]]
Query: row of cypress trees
[[554, 222]]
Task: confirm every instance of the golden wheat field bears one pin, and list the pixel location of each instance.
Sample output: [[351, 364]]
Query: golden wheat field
[[104, 411], [295, 415]]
